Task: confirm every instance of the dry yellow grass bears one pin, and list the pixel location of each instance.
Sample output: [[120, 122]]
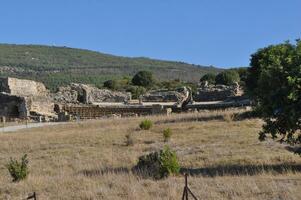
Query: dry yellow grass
[[89, 160]]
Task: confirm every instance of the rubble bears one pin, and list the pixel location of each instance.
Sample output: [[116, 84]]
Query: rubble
[[165, 95], [217, 92]]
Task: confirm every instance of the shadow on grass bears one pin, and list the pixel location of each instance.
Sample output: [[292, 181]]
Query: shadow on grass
[[98, 172], [238, 170], [294, 149]]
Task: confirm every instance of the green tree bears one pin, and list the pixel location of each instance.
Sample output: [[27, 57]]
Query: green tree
[[143, 78], [111, 84], [274, 83], [210, 77], [227, 77]]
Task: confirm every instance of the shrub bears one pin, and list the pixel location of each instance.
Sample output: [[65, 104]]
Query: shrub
[[136, 91], [146, 124], [227, 77], [18, 170], [210, 77], [129, 140], [158, 164], [111, 84], [167, 134], [143, 78]]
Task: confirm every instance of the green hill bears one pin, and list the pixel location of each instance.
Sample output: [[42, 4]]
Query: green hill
[[56, 66]]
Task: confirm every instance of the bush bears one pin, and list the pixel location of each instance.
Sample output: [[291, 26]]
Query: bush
[[146, 124], [18, 170], [227, 77], [136, 91], [210, 77], [167, 134], [158, 164], [143, 78], [129, 140], [111, 84]]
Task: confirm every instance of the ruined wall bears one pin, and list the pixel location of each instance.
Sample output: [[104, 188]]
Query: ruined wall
[[22, 98], [22, 87], [86, 94], [177, 95], [216, 93], [13, 106]]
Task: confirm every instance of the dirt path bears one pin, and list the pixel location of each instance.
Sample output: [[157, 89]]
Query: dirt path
[[30, 125]]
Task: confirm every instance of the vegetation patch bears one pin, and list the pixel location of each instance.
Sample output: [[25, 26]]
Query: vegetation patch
[[158, 165], [146, 124], [18, 170]]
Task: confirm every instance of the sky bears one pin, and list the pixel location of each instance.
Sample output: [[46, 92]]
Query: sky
[[222, 33]]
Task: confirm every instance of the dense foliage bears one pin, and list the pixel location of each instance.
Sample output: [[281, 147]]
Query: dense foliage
[[209, 77], [274, 82], [18, 170], [144, 79], [227, 77], [57, 66], [158, 164], [111, 84]]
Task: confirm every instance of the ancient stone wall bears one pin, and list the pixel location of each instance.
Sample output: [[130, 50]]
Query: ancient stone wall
[[22, 87], [22, 98], [177, 95], [13, 106], [216, 93], [87, 94]]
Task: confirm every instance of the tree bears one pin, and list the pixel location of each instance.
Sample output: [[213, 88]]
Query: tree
[[111, 84], [210, 77], [274, 83], [143, 78], [227, 77]]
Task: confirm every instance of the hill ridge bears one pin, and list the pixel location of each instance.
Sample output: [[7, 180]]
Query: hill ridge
[[60, 65]]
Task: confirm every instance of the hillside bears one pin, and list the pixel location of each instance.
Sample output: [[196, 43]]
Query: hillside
[[56, 66]]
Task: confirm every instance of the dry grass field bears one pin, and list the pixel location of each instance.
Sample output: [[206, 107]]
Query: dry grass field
[[89, 160]]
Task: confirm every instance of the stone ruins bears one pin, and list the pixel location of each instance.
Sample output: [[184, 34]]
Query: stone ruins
[[21, 98], [88, 94], [28, 99], [217, 92]]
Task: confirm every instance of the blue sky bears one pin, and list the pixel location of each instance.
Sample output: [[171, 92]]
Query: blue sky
[[208, 32]]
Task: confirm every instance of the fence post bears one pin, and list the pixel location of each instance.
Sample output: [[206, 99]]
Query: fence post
[[34, 196], [187, 190]]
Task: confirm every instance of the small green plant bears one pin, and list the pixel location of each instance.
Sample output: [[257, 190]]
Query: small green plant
[[129, 140], [158, 164], [146, 124], [167, 134], [18, 170]]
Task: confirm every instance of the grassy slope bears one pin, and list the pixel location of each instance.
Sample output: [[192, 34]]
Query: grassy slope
[[61, 65], [89, 160]]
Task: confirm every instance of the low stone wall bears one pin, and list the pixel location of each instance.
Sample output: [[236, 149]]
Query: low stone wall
[[216, 93], [97, 111]]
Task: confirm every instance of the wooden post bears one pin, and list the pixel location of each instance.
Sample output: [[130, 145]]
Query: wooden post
[[33, 196], [187, 190]]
